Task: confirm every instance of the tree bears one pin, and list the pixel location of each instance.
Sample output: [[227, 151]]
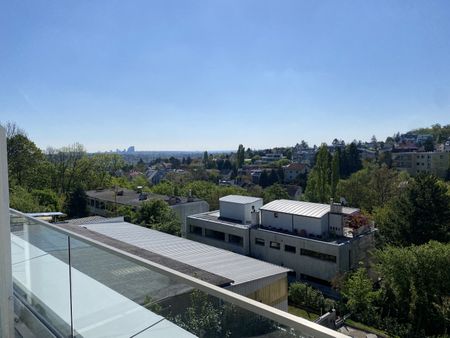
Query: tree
[[371, 187], [202, 317], [205, 159], [335, 175], [318, 187], [157, 215], [306, 296], [13, 129], [275, 192], [428, 145], [240, 156], [26, 163], [264, 179], [47, 199], [70, 168], [415, 283], [420, 214], [77, 204], [20, 199], [360, 297]]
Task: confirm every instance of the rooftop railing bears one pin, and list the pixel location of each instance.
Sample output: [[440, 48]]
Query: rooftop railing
[[68, 285]]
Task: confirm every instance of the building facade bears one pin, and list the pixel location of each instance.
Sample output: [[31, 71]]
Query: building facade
[[316, 241], [105, 202], [414, 163], [293, 170]]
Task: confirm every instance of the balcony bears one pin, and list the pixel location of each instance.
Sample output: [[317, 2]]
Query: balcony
[[67, 285]]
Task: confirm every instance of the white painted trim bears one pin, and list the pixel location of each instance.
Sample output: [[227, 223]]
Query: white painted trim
[[6, 296]]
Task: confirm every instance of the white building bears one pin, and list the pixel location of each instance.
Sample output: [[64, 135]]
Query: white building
[[314, 240]]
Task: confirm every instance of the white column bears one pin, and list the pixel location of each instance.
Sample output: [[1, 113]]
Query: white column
[[6, 296]]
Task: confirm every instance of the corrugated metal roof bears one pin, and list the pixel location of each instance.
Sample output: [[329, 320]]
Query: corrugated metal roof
[[224, 263], [308, 209], [239, 199]]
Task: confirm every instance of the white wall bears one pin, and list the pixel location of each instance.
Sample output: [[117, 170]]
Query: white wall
[[282, 221], [6, 298], [309, 224], [232, 210], [239, 211]]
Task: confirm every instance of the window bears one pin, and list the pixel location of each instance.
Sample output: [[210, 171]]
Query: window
[[275, 245], [318, 255], [290, 248], [260, 241], [218, 235], [196, 230], [275, 214], [238, 240]]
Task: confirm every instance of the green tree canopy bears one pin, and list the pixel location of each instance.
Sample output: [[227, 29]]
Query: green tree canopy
[[27, 165], [77, 204], [318, 186], [420, 214], [275, 192], [416, 287], [157, 215]]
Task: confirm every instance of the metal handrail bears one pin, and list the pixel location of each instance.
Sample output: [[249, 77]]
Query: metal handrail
[[307, 327]]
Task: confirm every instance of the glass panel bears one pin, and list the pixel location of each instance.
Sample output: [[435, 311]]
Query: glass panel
[[41, 273], [114, 296]]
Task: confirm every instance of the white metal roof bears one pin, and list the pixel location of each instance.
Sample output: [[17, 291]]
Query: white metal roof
[[308, 209], [240, 199], [224, 263]]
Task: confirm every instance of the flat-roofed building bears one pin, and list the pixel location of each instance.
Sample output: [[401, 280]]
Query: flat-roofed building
[[247, 276], [414, 163], [317, 241], [104, 202]]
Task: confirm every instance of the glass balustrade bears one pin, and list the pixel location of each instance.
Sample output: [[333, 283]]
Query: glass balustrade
[[75, 287]]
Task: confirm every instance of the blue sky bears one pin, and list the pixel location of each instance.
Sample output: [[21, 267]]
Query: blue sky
[[195, 75]]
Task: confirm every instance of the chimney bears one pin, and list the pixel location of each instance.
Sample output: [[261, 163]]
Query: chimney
[[255, 217], [190, 198], [335, 208]]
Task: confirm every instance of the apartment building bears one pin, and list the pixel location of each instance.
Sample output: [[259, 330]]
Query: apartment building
[[293, 170], [104, 202], [436, 163], [317, 241]]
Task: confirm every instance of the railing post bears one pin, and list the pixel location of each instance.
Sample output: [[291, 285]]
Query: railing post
[[6, 294]]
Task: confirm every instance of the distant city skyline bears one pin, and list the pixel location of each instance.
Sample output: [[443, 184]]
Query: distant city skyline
[[208, 75]]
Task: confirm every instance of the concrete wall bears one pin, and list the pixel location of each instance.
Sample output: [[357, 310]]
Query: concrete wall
[[336, 221], [184, 210], [315, 226], [320, 259], [301, 264], [233, 211], [277, 220], [239, 211], [6, 298], [226, 229]]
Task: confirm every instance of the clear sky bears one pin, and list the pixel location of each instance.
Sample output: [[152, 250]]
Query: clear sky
[[195, 75]]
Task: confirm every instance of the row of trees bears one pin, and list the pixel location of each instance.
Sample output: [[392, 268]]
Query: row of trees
[[329, 169], [52, 180]]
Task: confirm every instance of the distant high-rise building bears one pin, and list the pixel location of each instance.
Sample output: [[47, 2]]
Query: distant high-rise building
[[130, 149]]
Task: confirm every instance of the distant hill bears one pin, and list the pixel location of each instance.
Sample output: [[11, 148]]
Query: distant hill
[[440, 133]]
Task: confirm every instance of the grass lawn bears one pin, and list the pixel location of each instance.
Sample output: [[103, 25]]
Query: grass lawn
[[364, 327], [302, 313]]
